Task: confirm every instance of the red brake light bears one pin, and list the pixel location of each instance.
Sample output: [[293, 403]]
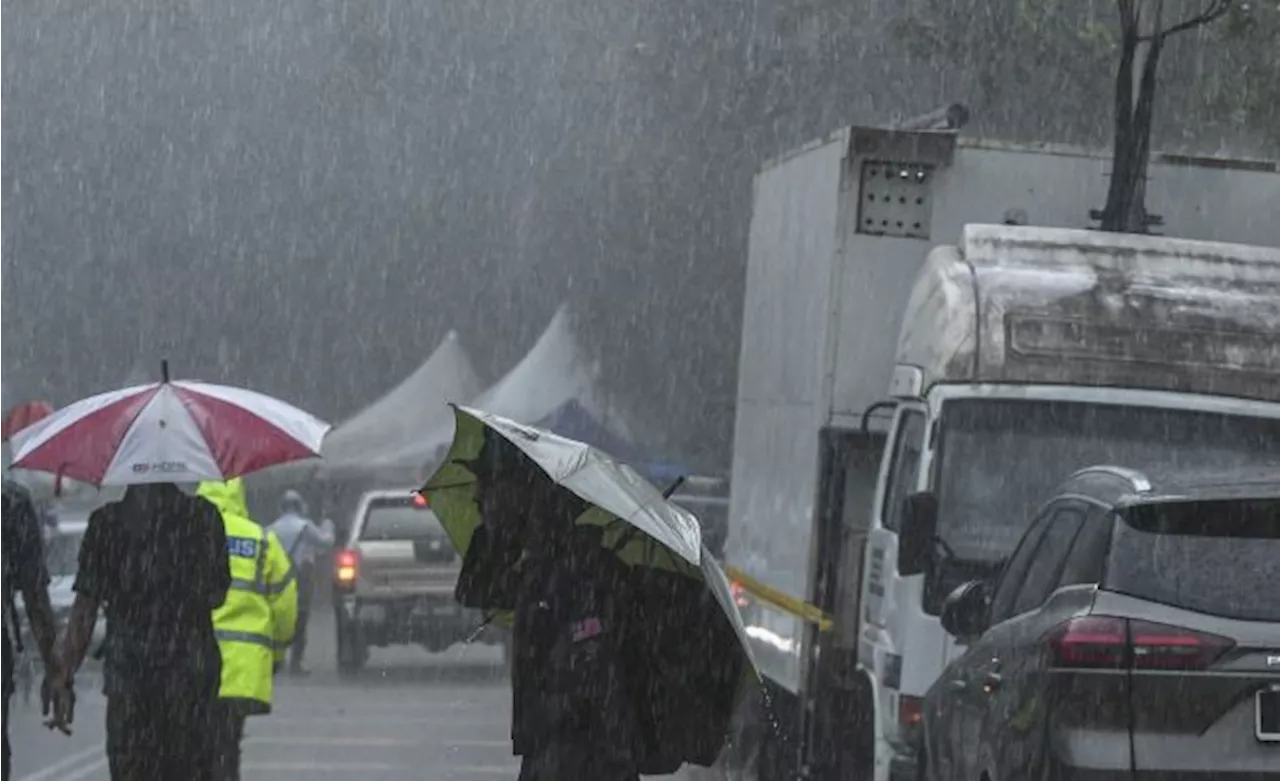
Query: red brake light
[[346, 566], [910, 711], [739, 594], [910, 717], [1106, 642], [420, 500]]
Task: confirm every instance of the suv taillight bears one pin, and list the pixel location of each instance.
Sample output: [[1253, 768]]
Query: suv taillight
[[739, 594], [346, 567], [1105, 642]]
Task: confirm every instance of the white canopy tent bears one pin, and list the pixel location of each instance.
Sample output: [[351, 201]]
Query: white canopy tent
[[554, 371], [398, 420]]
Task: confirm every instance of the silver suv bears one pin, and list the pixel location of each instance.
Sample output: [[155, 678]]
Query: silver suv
[[394, 581]]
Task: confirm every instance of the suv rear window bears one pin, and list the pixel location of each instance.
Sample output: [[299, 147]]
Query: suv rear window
[[395, 518], [1216, 557]]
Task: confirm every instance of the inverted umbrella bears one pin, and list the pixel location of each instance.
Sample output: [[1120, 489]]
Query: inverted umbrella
[[168, 432], [690, 649]]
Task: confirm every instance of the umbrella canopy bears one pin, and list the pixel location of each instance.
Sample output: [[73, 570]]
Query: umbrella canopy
[[685, 625], [168, 432], [616, 491]]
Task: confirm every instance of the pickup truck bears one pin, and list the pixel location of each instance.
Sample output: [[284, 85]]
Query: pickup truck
[[394, 582]]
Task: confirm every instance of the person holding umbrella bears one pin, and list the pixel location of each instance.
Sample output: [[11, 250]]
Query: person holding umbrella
[[157, 559], [616, 606], [572, 717], [157, 562]]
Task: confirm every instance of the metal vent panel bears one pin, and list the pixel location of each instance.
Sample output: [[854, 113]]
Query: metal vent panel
[[894, 198]]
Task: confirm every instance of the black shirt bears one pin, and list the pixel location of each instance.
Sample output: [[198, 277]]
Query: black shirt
[[568, 681], [24, 567], [157, 562]]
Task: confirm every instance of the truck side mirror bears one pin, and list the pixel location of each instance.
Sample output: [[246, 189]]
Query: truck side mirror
[[964, 613], [919, 527]]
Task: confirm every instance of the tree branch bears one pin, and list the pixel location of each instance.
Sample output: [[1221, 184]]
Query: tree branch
[[1215, 10]]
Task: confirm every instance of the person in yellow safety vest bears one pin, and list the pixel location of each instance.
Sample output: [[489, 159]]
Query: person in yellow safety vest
[[254, 626]]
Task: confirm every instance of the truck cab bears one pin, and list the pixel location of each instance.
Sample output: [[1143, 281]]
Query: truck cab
[[1025, 355], [963, 276]]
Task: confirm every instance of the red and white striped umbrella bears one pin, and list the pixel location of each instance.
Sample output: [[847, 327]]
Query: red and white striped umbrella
[[168, 432]]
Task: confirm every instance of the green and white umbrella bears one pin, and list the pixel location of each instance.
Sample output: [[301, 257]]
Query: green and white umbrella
[[637, 522], [688, 657], [617, 492]]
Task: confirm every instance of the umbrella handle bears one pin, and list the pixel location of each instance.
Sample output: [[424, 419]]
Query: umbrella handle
[[488, 619]]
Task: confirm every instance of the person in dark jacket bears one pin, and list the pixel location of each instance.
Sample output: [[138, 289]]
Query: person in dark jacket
[[25, 571], [157, 562], [572, 719]]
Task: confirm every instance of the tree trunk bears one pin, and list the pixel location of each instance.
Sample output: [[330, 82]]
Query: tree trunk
[[1126, 210]]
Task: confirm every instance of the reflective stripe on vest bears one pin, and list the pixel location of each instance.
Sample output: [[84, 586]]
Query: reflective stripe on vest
[[259, 585], [265, 589], [249, 637]]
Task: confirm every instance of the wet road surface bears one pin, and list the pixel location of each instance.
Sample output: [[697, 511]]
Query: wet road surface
[[409, 715]]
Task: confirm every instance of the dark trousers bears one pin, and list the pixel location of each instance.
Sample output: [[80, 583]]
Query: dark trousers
[[9, 664], [6, 732], [299, 647], [230, 732], [161, 733]]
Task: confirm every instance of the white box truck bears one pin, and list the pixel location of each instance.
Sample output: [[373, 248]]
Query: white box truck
[[932, 338]]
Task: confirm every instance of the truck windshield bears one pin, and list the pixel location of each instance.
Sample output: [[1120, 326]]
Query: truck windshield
[[1001, 459]]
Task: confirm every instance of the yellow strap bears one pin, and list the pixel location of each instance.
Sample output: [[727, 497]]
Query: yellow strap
[[781, 600]]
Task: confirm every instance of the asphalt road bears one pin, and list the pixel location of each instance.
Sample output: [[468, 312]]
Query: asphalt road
[[409, 715]]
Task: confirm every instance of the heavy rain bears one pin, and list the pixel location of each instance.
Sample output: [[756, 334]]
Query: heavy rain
[[769, 390]]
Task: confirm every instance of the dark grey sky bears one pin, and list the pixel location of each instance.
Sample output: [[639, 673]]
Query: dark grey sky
[[303, 196]]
